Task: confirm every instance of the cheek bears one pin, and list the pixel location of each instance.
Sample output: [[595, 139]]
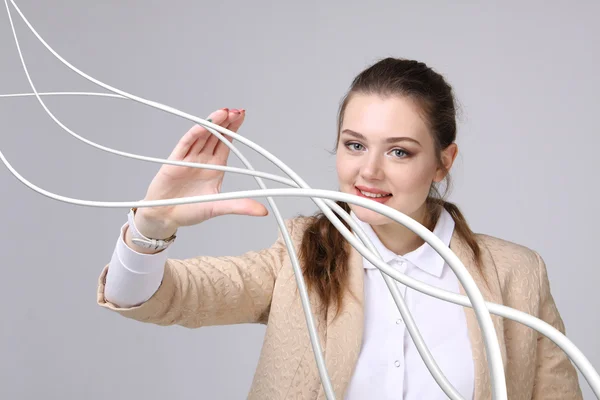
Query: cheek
[[338, 168], [346, 169], [413, 178]]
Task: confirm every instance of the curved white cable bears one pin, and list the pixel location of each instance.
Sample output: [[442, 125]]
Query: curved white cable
[[522, 318], [578, 358], [314, 338], [429, 361], [115, 96], [411, 326], [405, 313], [482, 313], [235, 170]]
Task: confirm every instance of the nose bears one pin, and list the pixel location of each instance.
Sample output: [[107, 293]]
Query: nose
[[372, 168]]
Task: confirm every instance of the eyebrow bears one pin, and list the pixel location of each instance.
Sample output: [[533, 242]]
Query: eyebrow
[[388, 140]]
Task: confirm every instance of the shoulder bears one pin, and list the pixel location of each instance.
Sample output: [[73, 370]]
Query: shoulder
[[520, 269], [506, 251], [301, 222], [296, 226]]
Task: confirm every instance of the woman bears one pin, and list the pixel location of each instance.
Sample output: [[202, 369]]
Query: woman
[[395, 144]]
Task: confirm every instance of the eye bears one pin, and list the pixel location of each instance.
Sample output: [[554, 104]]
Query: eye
[[353, 146], [400, 153]]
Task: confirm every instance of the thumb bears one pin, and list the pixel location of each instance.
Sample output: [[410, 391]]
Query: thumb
[[249, 207]]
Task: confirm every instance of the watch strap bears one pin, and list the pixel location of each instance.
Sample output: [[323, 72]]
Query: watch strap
[[143, 241]]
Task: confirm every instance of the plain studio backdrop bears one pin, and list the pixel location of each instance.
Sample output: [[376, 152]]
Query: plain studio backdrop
[[525, 76]]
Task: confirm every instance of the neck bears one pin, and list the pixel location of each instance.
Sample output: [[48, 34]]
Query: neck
[[400, 239]]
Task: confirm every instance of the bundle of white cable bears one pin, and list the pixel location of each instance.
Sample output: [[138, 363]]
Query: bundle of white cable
[[473, 299]]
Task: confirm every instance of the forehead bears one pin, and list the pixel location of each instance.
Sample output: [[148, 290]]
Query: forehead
[[378, 117]]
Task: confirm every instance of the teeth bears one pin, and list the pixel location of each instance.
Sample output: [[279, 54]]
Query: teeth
[[373, 194]]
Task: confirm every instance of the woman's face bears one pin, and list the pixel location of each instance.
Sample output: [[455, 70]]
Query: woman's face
[[385, 148]]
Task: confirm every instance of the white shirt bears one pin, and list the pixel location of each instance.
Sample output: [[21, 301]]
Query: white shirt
[[389, 366]]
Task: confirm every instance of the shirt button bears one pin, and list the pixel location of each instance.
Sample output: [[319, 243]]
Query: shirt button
[[397, 363], [398, 321]]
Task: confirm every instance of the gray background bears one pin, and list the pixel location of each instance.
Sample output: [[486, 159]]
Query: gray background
[[525, 75]]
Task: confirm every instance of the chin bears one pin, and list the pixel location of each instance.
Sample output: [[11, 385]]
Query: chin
[[370, 217]]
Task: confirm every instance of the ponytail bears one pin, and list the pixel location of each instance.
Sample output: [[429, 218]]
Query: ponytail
[[462, 228]]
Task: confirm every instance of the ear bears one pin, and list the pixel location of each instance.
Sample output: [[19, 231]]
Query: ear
[[448, 156]]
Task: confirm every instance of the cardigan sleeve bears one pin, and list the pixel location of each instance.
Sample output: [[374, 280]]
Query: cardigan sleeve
[[205, 291], [555, 376]]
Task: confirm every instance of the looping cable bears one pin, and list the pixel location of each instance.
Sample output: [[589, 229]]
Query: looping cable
[[325, 200]]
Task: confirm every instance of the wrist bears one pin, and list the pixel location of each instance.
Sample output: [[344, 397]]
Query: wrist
[[128, 239], [153, 226]]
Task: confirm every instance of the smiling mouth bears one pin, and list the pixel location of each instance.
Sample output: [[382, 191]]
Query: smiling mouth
[[373, 195]]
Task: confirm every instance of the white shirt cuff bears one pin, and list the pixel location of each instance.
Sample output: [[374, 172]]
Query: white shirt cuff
[[132, 277]]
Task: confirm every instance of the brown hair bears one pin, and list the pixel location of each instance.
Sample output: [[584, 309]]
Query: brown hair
[[324, 251]]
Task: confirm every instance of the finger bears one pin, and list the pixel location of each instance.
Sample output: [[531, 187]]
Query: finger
[[249, 207], [218, 117], [192, 136], [236, 118], [221, 151], [213, 141]]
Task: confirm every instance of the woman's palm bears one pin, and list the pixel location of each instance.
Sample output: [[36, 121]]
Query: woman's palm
[[172, 181]]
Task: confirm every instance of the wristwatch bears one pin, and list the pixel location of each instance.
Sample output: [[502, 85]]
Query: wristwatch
[[143, 241]]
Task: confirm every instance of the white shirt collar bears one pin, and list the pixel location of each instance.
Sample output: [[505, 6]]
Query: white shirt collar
[[424, 257]]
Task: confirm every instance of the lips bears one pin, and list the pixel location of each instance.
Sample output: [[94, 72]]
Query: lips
[[371, 190], [377, 199]]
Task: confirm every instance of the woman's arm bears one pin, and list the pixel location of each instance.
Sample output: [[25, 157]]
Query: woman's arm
[[555, 377], [204, 291]]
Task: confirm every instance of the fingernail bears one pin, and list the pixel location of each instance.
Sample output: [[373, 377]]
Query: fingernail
[[226, 109], [243, 110], [235, 111]]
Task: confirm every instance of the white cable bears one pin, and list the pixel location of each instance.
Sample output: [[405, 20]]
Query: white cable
[[578, 358], [504, 311], [411, 326], [13, 3], [136, 156], [491, 342], [115, 96], [314, 338], [430, 363]]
